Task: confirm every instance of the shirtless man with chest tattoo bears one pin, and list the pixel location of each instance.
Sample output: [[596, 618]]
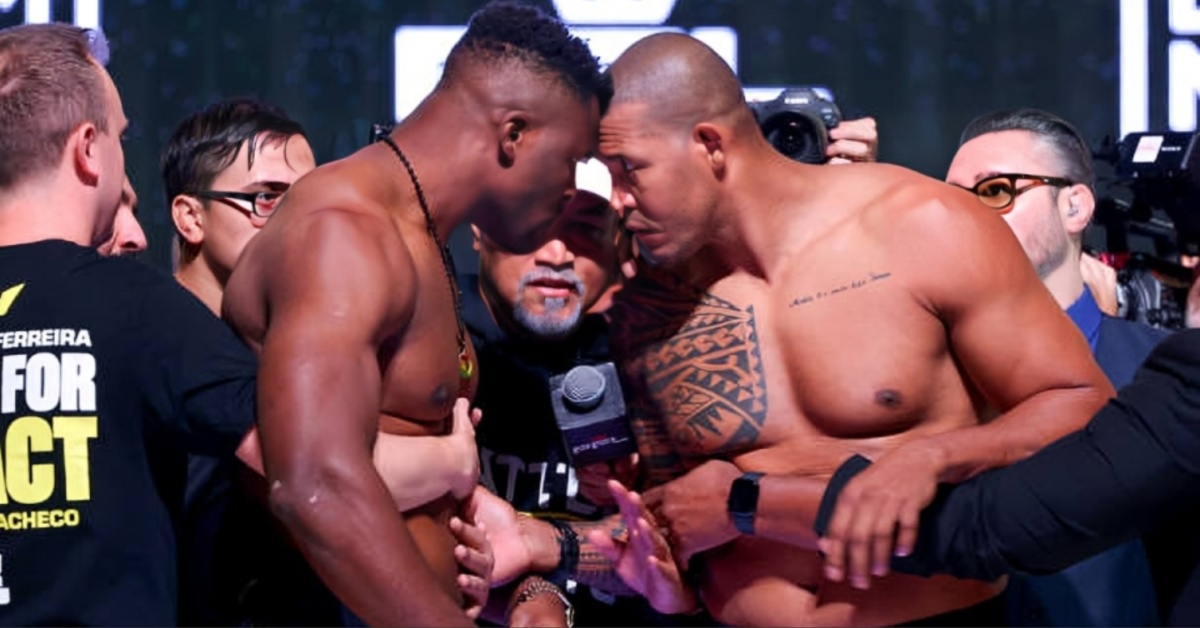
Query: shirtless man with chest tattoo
[[790, 315]]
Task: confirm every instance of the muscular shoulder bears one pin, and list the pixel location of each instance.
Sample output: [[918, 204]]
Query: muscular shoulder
[[925, 219], [901, 202], [332, 238]]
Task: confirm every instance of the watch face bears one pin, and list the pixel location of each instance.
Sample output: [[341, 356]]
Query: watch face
[[743, 497]]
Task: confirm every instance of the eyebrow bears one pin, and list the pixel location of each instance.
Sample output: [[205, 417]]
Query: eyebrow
[[987, 175], [274, 186]]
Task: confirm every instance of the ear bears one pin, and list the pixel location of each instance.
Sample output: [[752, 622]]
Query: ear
[[1076, 205], [475, 237], [85, 152], [712, 139], [188, 215], [513, 130]]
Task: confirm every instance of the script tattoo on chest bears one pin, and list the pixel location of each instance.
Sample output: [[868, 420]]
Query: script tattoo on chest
[[697, 359], [865, 281]]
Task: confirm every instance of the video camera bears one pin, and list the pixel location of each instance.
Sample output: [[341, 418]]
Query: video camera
[[1156, 219], [797, 122]]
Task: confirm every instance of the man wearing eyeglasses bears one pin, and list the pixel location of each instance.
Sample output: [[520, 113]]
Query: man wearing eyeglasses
[[1036, 170], [224, 171]]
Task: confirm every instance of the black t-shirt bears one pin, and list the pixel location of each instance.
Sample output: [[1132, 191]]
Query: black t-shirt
[[109, 374], [521, 451]]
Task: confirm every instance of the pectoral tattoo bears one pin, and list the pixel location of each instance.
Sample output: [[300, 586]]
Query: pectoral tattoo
[[821, 295]]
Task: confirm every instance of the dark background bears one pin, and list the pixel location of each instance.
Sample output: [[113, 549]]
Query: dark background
[[923, 68]]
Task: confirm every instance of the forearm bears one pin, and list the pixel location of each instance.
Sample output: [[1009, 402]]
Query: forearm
[[1091, 490], [344, 522], [788, 508], [415, 469], [592, 569], [1015, 435]]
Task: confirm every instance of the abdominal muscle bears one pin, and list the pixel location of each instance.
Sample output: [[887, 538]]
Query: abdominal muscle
[[430, 524]]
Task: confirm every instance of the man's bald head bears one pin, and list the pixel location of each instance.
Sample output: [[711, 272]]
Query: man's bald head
[[679, 80]]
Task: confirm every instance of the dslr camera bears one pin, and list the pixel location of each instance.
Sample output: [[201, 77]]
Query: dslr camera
[[1156, 219], [797, 122]]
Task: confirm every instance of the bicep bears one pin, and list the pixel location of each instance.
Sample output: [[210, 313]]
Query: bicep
[[1007, 331], [319, 379]]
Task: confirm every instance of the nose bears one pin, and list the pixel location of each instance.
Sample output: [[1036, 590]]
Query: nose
[[554, 253], [622, 200], [133, 240]]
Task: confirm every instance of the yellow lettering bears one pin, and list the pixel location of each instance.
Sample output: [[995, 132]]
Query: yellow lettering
[[3, 489], [3, 522], [43, 518], [28, 483], [75, 431], [71, 517], [56, 518]]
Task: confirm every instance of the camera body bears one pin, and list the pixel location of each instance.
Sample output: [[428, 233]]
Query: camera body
[[1157, 218], [797, 122]]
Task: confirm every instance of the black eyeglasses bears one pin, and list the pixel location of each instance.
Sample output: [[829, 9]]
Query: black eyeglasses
[[262, 204], [1000, 191]]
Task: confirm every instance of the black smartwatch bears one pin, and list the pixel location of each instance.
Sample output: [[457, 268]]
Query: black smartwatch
[[743, 502]]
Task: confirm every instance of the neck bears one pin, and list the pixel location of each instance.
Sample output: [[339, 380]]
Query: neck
[[44, 210], [451, 188], [1065, 283], [761, 190], [202, 282]]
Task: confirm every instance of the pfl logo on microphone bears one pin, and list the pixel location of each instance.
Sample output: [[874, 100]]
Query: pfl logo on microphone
[[1160, 65], [86, 13]]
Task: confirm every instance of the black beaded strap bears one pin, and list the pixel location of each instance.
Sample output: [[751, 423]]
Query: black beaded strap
[[568, 552]]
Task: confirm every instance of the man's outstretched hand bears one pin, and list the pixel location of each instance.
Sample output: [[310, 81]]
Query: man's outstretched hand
[[694, 509], [641, 557]]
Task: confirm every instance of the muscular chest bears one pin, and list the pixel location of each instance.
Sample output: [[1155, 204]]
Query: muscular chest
[[743, 366], [423, 370]]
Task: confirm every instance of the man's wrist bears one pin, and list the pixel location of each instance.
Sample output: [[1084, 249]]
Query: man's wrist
[[541, 539], [742, 503], [937, 450]]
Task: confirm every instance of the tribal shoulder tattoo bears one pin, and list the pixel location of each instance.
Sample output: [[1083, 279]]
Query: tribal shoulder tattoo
[[693, 362]]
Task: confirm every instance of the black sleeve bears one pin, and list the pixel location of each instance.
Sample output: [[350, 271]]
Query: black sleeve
[[1134, 465], [195, 372]]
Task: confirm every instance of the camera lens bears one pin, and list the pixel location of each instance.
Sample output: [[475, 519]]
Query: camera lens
[[795, 136]]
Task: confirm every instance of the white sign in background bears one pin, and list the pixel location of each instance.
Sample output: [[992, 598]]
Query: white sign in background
[[609, 27], [1182, 71], [86, 13]]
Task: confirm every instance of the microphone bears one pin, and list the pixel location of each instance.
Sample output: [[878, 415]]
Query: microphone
[[590, 411]]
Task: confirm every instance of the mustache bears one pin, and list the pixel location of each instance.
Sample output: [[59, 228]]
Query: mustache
[[541, 274]]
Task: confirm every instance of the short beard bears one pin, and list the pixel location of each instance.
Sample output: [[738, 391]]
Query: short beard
[[551, 324]]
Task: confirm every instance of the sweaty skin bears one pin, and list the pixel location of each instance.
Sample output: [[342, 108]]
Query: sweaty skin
[[799, 314], [327, 294]]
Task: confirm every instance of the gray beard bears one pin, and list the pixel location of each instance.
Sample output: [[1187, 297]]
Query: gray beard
[[556, 322]]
